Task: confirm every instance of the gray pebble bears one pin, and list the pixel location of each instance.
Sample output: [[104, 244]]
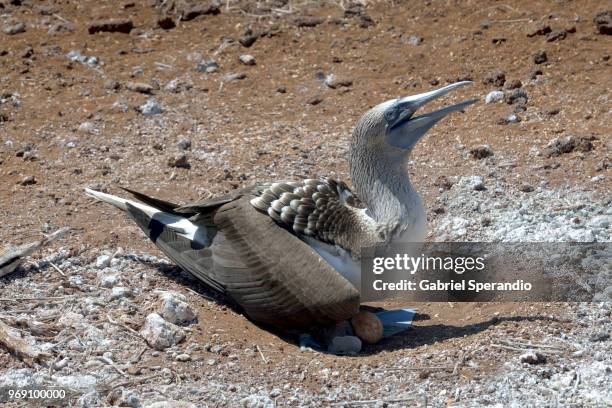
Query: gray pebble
[[247, 59], [151, 107]]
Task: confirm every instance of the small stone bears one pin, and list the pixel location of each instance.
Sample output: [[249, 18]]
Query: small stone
[[494, 96], [112, 85], [537, 29], [120, 292], [179, 161], [367, 327], [28, 181], [481, 152], [211, 362], [315, 100], [518, 96], [15, 28], [601, 336], [247, 59], [496, 78], [248, 39], [87, 127], [111, 26], [603, 21], [475, 183], [281, 89], [556, 35], [599, 178], [61, 28], [443, 183], [140, 87], [184, 144], [207, 66], [414, 40], [514, 84], [160, 334], [334, 81], [166, 23], [183, 357], [345, 345], [103, 261], [535, 73], [193, 11], [526, 188], [512, 118], [109, 281], [234, 77], [559, 146], [150, 108], [176, 310], [540, 57], [532, 357], [307, 21]]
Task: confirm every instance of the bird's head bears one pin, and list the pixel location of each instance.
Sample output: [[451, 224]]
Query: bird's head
[[392, 126]]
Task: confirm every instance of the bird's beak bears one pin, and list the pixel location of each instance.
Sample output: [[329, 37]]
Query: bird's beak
[[406, 130]]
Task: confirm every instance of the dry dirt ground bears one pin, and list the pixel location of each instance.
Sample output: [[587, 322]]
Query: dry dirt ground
[[71, 117]]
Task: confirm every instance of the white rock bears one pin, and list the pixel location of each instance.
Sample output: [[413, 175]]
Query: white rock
[[87, 127], [103, 261], [150, 108], [475, 183], [183, 357], [176, 310], [110, 280], [598, 178], [512, 119], [160, 334], [532, 357], [120, 292], [494, 96], [247, 59]]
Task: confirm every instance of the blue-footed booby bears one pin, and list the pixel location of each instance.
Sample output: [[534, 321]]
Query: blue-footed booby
[[288, 252]]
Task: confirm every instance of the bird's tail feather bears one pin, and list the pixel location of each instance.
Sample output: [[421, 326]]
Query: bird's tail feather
[[121, 203]]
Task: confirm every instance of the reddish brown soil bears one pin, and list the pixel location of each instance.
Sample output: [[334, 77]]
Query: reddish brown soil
[[252, 133]]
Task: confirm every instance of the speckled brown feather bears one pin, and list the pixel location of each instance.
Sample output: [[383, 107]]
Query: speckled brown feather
[[326, 210]]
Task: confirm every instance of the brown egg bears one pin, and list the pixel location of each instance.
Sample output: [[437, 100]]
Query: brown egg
[[368, 327]]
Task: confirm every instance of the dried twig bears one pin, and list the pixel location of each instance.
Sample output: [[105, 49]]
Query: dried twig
[[261, 354], [112, 364], [57, 268], [11, 257], [129, 329], [15, 344]]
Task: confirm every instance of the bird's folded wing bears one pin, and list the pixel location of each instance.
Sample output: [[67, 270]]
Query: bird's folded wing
[[275, 276]]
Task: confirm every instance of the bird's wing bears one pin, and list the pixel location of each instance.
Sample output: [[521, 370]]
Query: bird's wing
[[235, 249], [324, 210], [275, 276]]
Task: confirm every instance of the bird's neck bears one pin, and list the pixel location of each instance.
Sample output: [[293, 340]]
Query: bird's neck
[[382, 182]]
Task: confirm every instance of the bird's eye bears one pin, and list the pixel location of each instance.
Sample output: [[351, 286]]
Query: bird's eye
[[391, 115]]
